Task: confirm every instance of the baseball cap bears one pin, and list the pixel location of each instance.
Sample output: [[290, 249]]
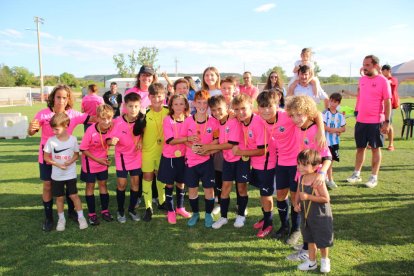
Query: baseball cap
[[146, 69], [386, 67]]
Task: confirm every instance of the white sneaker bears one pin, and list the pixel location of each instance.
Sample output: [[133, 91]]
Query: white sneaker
[[308, 265], [83, 224], [298, 247], [240, 220], [61, 225], [331, 185], [354, 178], [216, 210], [301, 255], [372, 182], [325, 265], [219, 223]]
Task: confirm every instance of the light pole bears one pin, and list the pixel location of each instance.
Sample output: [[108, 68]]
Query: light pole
[[38, 21]]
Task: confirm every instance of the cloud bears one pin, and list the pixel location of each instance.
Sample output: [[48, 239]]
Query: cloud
[[11, 33], [265, 7]]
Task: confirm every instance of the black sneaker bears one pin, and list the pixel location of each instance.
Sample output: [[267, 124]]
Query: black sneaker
[[106, 216], [148, 215], [47, 225], [73, 215], [93, 220], [281, 234], [162, 206]]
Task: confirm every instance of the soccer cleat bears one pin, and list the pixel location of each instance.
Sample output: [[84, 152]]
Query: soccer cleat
[[331, 184], [354, 178], [259, 224], [240, 220], [182, 212], [372, 182], [264, 232], [61, 225], [293, 237], [208, 220], [193, 220], [301, 255], [134, 216], [308, 265], [148, 215], [219, 223], [106, 215], [83, 224], [93, 220], [47, 225], [281, 234], [216, 210], [121, 217], [325, 265], [73, 215], [171, 217]]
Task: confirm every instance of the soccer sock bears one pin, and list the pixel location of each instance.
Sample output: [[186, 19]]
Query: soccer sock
[[305, 246], [154, 188], [224, 207], [194, 204], [282, 208], [90, 201], [238, 195], [243, 200], [295, 217], [180, 197], [161, 192], [140, 186], [267, 220], [61, 215], [104, 201], [69, 202], [120, 199], [48, 207], [133, 198], [169, 198], [80, 213], [147, 193], [209, 203]]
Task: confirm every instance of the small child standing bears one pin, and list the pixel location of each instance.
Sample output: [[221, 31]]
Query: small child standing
[[62, 151], [313, 203], [334, 125]]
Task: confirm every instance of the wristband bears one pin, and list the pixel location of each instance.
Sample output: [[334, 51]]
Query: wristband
[[387, 121], [322, 173]]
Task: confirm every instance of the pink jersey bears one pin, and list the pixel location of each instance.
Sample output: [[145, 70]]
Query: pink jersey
[[252, 91], [94, 142], [172, 129], [145, 101], [271, 144], [207, 132], [306, 140], [45, 115], [127, 157], [371, 96], [253, 136], [287, 148], [90, 103], [230, 133]]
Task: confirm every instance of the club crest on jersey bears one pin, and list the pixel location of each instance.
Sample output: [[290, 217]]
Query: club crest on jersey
[[250, 133], [209, 130], [282, 129], [306, 141], [227, 130]]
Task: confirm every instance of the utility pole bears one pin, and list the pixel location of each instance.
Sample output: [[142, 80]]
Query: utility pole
[[176, 66], [39, 20]]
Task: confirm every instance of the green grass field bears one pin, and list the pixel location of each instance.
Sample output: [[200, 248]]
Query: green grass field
[[373, 227]]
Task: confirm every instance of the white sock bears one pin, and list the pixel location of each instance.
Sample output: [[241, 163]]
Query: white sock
[[357, 173], [374, 176], [61, 215], [80, 214]]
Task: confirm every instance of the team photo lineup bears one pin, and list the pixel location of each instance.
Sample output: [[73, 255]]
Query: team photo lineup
[[171, 141]]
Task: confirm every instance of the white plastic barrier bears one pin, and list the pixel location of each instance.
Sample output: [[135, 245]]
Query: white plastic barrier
[[13, 126]]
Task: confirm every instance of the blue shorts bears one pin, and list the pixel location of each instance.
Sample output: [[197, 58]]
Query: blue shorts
[[334, 149], [204, 172], [45, 171], [124, 173], [264, 179], [171, 170], [92, 177], [58, 187], [238, 171], [285, 178]]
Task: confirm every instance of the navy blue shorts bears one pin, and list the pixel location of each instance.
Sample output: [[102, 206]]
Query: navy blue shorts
[[204, 172], [285, 177], [334, 149], [264, 179], [171, 170], [58, 187], [368, 134], [92, 177], [124, 173], [45, 171], [238, 171]]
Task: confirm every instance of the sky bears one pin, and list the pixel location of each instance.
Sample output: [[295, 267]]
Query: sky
[[81, 36]]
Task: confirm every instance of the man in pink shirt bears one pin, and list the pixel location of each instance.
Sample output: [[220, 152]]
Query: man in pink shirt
[[248, 88], [373, 119]]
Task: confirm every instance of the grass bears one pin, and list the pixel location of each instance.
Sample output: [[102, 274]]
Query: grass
[[373, 227]]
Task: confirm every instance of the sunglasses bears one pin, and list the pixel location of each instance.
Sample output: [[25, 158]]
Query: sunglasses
[[273, 77]]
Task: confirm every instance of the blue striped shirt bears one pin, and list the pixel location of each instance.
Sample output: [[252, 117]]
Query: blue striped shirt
[[331, 120]]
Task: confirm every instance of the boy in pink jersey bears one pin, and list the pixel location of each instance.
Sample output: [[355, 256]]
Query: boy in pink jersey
[[253, 146], [126, 136], [233, 168], [199, 129], [60, 100], [95, 162], [91, 101]]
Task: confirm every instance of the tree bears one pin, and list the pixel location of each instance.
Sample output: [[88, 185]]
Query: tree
[[6, 76], [147, 56], [120, 64], [317, 69], [281, 73], [335, 79], [69, 79], [127, 68], [22, 76]]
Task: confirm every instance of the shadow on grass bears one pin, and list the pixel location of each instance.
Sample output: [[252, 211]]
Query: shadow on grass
[[378, 268]]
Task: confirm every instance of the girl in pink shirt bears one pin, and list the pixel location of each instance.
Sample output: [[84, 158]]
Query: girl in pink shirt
[[91, 101]]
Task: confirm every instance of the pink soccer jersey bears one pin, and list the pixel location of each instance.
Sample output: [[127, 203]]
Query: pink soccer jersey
[[271, 144], [127, 157], [306, 140], [94, 142], [172, 129], [253, 137], [145, 101], [205, 130], [90, 103], [45, 115], [287, 148], [230, 133]]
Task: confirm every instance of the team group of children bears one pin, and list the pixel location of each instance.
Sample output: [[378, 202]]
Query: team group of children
[[176, 147]]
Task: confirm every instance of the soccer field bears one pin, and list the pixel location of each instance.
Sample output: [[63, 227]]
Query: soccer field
[[374, 229]]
